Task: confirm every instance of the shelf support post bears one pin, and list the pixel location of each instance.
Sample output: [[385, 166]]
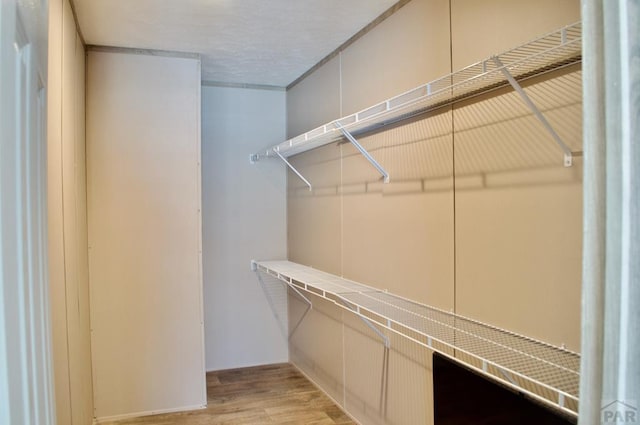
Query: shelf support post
[[568, 155], [363, 151], [292, 168]]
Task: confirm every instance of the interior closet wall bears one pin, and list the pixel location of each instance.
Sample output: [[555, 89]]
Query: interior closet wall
[[504, 247], [144, 201], [518, 236], [389, 236], [67, 212], [244, 218]]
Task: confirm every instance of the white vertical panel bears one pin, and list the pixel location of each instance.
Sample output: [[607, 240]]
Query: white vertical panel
[[69, 225], [74, 222], [25, 378], [143, 137], [83, 393], [67, 238], [55, 218], [610, 385]]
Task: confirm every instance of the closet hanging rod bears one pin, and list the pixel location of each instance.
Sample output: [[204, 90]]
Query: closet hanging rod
[[552, 51]]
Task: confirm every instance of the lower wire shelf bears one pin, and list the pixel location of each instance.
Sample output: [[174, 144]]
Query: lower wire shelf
[[547, 373]]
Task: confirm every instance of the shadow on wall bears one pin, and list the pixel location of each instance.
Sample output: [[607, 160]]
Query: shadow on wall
[[491, 141]]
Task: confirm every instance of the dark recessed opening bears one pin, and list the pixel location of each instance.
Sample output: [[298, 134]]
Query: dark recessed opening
[[463, 397]]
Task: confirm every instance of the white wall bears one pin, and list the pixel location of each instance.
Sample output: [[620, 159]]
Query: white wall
[[67, 214], [143, 166], [244, 218]]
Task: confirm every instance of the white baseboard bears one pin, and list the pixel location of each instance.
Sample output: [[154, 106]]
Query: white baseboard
[[149, 413], [243, 366]]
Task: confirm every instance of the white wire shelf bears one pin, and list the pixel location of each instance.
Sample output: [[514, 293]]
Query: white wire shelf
[[546, 373], [551, 51]]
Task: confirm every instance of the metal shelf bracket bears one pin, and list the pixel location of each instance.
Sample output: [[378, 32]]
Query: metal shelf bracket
[[568, 155], [307, 310], [363, 151], [254, 268], [383, 337], [275, 150]]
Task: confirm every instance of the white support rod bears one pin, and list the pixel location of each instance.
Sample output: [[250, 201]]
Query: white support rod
[[363, 151], [508, 377], [370, 325], [300, 294], [306, 311], [568, 155], [292, 168]]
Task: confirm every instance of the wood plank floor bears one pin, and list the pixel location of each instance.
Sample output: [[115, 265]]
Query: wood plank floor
[[274, 394]]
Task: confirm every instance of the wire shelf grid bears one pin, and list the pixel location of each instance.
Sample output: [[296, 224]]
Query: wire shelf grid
[[551, 51], [549, 374]]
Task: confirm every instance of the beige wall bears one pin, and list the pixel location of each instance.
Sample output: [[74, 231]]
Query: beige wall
[[383, 63], [68, 264], [143, 166], [303, 113], [482, 28], [386, 61], [518, 234], [480, 217]]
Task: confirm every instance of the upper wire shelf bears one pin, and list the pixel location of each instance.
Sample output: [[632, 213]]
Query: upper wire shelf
[[547, 373], [552, 51]]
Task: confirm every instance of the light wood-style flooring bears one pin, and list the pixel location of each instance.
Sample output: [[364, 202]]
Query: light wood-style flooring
[[274, 394]]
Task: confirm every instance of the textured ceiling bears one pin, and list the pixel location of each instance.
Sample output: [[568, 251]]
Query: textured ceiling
[[269, 42]]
